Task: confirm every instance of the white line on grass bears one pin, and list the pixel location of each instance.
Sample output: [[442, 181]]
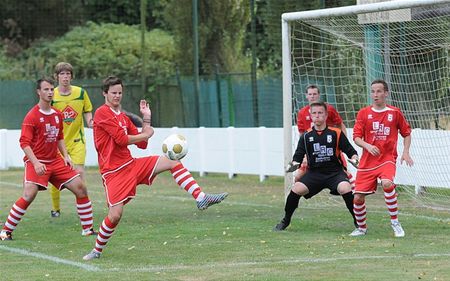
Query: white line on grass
[[50, 258], [267, 262], [11, 184]]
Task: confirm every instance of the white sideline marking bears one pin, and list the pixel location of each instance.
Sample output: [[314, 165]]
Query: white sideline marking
[[86, 267]]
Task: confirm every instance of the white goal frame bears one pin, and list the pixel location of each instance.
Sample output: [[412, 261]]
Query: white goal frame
[[286, 18]]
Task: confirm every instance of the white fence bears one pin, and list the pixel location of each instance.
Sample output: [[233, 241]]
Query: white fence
[[259, 151]]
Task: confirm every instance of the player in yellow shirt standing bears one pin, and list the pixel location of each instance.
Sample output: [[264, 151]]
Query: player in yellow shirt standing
[[74, 103]]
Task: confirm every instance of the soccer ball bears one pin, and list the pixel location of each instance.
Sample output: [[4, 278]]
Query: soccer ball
[[175, 147]]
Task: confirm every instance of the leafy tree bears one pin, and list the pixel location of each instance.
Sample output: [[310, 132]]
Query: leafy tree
[[221, 32], [97, 51]]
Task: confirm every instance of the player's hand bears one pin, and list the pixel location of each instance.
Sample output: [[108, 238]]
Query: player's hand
[[407, 158], [68, 161], [40, 169], [145, 110], [372, 149], [292, 166]]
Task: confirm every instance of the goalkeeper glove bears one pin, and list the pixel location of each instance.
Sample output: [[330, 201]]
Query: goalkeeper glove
[[354, 163], [292, 166]]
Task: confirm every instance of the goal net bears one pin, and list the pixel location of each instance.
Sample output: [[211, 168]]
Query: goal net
[[406, 43]]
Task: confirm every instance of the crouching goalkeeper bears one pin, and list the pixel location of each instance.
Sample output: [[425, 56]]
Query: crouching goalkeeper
[[322, 146]]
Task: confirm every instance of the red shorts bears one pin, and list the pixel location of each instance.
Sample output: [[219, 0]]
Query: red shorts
[[366, 180], [120, 184], [57, 174]]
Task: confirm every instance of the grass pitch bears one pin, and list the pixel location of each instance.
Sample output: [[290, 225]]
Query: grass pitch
[[163, 236]]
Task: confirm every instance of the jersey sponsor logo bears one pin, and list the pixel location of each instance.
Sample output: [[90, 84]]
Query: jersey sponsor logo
[[380, 131], [51, 133], [69, 115]]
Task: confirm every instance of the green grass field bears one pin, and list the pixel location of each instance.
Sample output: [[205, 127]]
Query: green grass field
[[162, 236]]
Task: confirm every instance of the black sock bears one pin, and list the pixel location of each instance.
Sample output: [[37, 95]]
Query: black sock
[[292, 202], [348, 198]]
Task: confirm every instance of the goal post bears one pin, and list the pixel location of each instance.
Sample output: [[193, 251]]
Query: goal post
[[342, 50]]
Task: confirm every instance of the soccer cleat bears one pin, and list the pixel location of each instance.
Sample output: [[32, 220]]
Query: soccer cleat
[[88, 232], [398, 229], [92, 255], [55, 214], [281, 226], [358, 232], [211, 199], [5, 235]]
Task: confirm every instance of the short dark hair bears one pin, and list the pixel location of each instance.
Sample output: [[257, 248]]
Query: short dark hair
[[110, 81], [312, 86], [319, 103], [44, 79], [381, 81]]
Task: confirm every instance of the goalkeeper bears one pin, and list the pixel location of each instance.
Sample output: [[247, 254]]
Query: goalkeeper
[[322, 146]]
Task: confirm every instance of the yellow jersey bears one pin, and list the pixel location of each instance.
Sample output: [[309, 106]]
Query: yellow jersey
[[72, 107]]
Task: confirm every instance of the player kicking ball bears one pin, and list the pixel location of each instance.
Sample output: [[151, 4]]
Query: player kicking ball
[[121, 173], [46, 160]]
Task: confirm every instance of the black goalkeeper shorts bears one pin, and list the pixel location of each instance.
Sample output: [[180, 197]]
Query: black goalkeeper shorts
[[317, 181]]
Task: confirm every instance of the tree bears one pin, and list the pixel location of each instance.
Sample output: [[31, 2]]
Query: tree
[[221, 34]]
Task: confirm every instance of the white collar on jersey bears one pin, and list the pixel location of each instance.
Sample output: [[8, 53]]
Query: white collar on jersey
[[115, 112], [50, 112], [386, 108]]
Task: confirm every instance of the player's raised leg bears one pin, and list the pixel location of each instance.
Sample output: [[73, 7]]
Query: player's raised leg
[[187, 182]]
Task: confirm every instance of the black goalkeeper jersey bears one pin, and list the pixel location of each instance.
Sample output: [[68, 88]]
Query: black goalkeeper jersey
[[323, 149]]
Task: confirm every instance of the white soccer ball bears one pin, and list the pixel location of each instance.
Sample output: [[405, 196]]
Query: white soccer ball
[[175, 147]]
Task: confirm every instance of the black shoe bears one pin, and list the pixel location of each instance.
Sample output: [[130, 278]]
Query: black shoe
[[55, 214], [281, 226]]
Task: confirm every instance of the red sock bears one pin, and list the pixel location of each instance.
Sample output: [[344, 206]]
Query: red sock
[[84, 209], [185, 180], [16, 213]]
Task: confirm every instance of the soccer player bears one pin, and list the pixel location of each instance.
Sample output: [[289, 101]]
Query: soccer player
[[376, 131], [121, 173], [46, 160], [305, 122], [322, 146], [74, 103]]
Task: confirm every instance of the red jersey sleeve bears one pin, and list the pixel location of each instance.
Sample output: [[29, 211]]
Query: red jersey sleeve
[[27, 132], [403, 125], [359, 128], [132, 130]]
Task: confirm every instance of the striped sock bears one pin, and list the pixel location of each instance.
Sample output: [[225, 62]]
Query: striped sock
[[16, 213], [104, 234], [185, 180], [390, 197], [84, 209], [359, 208]]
